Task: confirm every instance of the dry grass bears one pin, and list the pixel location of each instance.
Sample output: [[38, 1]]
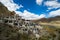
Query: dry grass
[[50, 24]]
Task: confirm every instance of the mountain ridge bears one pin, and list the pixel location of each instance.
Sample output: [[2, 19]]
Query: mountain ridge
[[56, 18], [4, 11]]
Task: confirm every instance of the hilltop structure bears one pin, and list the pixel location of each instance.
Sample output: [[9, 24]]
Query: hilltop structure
[[25, 26]]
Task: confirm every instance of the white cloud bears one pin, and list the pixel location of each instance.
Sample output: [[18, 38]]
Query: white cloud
[[54, 13], [10, 5], [39, 2], [52, 4], [26, 15], [18, 12], [30, 16], [49, 8]]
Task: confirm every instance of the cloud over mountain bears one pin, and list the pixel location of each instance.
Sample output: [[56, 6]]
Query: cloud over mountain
[[29, 16], [11, 5], [54, 13], [26, 14]]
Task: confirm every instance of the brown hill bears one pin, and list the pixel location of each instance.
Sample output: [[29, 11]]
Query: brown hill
[[4, 11], [57, 18]]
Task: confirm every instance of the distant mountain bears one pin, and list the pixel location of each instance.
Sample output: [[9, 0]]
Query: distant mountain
[[57, 18]]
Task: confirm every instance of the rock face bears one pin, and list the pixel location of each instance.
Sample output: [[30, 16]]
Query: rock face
[[4, 11]]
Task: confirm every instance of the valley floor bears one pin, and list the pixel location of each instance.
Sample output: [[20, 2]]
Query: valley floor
[[51, 24]]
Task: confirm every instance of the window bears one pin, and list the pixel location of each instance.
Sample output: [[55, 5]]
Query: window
[[15, 23], [10, 21], [6, 21], [18, 19], [12, 17], [25, 29], [20, 24], [7, 17]]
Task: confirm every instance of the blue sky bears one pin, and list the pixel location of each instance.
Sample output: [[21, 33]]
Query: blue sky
[[31, 6], [34, 9]]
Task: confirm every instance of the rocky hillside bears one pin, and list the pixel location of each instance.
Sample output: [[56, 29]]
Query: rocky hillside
[[4, 11], [8, 32]]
